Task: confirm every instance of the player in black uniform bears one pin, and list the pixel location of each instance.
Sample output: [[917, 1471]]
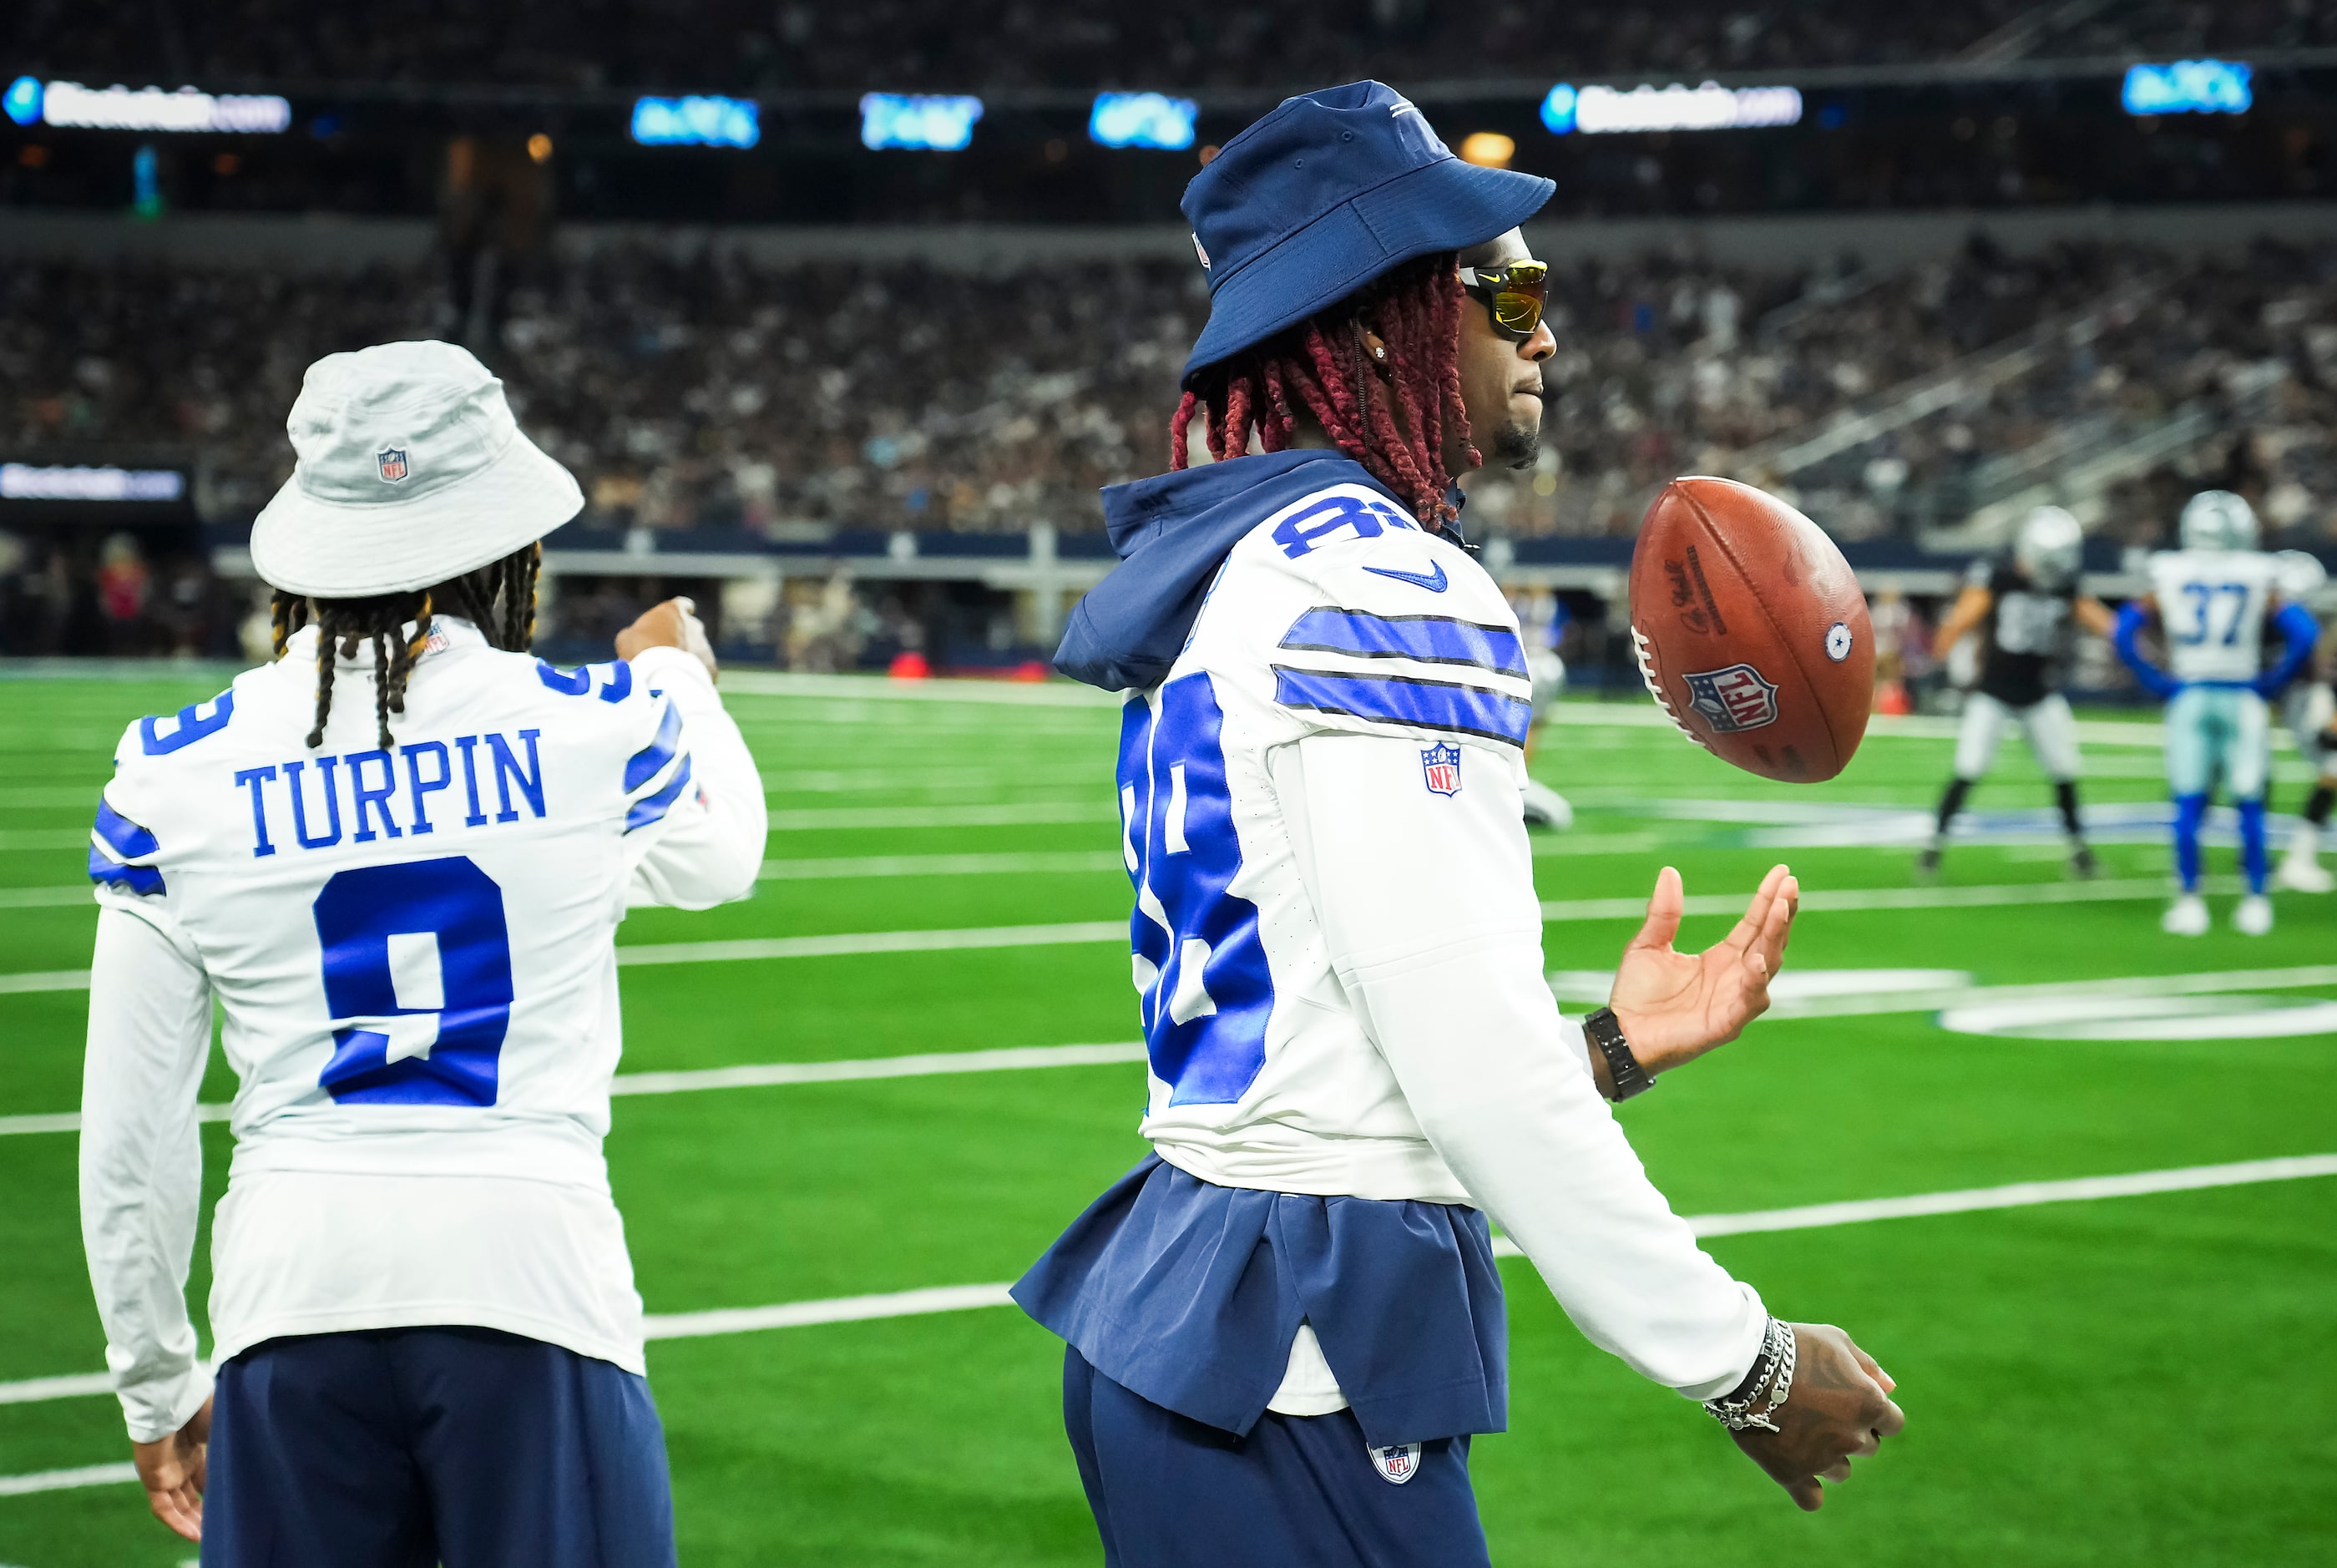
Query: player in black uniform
[[2023, 607]]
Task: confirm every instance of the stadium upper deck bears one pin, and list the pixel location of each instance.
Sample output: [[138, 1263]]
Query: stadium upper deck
[[977, 44]]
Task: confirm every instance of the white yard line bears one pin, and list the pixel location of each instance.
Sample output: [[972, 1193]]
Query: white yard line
[[66, 1480], [1818, 901], [1008, 814], [979, 864], [968, 1298]]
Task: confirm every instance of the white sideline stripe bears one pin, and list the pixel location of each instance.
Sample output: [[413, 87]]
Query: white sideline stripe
[[66, 1480], [997, 864], [836, 1310], [1845, 900], [753, 1075], [967, 1297], [46, 897], [918, 1066], [1010, 814]]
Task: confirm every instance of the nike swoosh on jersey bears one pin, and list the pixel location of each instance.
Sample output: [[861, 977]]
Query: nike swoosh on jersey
[[1433, 579]]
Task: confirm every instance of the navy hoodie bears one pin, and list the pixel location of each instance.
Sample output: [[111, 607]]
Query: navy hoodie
[[1173, 531]]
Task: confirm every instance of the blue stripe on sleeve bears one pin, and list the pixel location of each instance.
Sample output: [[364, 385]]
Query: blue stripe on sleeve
[[128, 840], [1430, 639], [1395, 699], [140, 879], [620, 682], [654, 808], [646, 763]]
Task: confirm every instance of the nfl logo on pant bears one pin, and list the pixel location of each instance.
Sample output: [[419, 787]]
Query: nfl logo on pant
[[1398, 1465], [1442, 765]]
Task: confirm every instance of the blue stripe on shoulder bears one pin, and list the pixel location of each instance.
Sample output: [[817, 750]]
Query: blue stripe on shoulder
[[651, 760], [654, 808], [138, 880], [620, 682], [1430, 639], [568, 683], [128, 840], [1395, 699]]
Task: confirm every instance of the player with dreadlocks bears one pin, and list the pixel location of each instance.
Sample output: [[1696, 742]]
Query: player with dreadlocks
[[1284, 1325], [396, 856]]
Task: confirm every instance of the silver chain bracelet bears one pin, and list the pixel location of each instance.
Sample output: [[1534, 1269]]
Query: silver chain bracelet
[[1772, 1384]]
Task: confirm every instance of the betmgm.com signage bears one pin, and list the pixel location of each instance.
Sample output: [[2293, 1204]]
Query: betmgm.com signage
[[105, 491], [1597, 110], [69, 105]]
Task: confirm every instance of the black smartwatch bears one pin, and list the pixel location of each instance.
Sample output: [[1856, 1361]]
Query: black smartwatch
[[1607, 1035]]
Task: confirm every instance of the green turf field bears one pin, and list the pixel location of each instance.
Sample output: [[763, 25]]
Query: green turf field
[[2129, 1378]]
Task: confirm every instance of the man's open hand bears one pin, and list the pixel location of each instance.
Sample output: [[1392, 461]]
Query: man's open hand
[[1674, 1006], [672, 624], [171, 1470], [1839, 1409]]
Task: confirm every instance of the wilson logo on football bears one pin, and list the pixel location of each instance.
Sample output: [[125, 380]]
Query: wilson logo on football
[[1734, 699]]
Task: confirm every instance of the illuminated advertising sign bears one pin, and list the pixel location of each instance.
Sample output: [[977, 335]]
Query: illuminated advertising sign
[[69, 105], [2188, 87], [52, 482], [697, 121], [1141, 120], [918, 120], [1711, 107]]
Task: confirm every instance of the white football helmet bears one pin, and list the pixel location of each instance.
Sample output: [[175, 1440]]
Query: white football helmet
[[2050, 547], [2218, 520], [2299, 574]]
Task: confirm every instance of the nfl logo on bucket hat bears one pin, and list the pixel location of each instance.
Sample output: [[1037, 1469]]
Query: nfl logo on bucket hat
[[1330, 190], [410, 470]]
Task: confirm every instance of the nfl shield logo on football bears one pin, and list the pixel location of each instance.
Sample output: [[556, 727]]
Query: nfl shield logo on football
[[1442, 764], [392, 463], [1398, 1465], [1733, 699]]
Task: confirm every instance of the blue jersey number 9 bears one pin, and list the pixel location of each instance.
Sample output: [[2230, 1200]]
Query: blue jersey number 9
[[1198, 961], [418, 976]]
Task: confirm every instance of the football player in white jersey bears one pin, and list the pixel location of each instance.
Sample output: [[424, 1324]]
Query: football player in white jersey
[[2024, 609], [396, 858], [1285, 1324], [2309, 709], [1542, 617], [2212, 598]]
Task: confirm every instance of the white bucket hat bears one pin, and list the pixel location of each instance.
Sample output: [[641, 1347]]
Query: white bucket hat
[[411, 470]]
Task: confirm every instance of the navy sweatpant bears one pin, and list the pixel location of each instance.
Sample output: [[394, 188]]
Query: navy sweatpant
[[1298, 1492], [407, 1447]]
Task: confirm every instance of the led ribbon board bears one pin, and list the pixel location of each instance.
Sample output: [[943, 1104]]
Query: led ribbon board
[[69, 105], [2189, 87], [697, 121], [918, 120], [1141, 120], [1596, 109], [52, 482]]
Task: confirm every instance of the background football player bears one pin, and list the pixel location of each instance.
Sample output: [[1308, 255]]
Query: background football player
[[2024, 607], [2309, 709], [1542, 619], [397, 857], [2212, 598]]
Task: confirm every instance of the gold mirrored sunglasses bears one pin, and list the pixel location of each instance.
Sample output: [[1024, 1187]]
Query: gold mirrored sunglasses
[[1512, 294]]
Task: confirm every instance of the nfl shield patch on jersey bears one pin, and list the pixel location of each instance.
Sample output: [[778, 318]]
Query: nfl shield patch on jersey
[[1736, 698], [1442, 765], [392, 463], [1397, 1465]]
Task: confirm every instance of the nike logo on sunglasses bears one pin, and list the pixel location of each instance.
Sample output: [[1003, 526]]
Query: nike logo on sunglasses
[[1433, 579]]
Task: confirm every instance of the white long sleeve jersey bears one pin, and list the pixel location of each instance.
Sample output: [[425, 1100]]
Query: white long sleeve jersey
[[1337, 939], [413, 952]]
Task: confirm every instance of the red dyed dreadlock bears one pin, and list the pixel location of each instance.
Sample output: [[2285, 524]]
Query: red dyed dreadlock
[[1319, 369]]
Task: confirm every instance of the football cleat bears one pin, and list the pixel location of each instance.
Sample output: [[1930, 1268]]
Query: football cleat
[[1545, 807], [1927, 862], [2301, 874], [2254, 916], [2082, 863], [2186, 917]]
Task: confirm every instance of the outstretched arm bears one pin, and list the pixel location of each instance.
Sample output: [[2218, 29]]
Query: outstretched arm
[[2131, 616], [701, 815], [1970, 605]]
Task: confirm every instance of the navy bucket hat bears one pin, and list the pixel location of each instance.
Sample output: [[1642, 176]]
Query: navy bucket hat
[[1330, 190]]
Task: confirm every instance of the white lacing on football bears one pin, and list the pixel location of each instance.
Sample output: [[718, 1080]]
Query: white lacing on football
[[1640, 646]]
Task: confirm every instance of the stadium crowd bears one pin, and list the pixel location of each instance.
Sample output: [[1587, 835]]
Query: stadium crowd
[[707, 392], [906, 44]]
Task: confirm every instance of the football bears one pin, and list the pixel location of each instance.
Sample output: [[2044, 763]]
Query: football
[[1750, 630]]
